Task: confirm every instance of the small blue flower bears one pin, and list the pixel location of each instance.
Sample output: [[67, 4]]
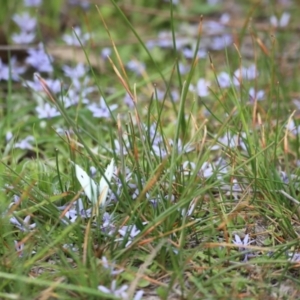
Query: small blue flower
[[121, 292], [11, 71], [39, 59], [47, 111], [32, 3], [25, 143], [110, 267], [24, 225], [242, 243], [76, 38], [224, 80], [23, 37], [136, 67], [75, 72], [101, 110], [25, 22]]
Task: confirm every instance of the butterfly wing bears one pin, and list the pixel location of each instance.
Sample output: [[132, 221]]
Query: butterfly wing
[[104, 182], [89, 186]]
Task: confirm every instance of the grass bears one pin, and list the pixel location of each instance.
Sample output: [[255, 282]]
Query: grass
[[195, 178]]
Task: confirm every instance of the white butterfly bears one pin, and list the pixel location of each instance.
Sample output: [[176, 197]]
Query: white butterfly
[[96, 193], [283, 21]]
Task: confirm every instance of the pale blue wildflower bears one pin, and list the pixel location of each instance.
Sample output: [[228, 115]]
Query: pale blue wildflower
[[54, 85], [128, 101], [213, 2], [255, 95], [120, 293], [33, 3], [93, 171], [224, 80], [129, 232], [292, 127], [23, 37], [85, 4], [110, 267], [76, 38], [11, 71], [108, 226], [174, 2], [105, 52], [242, 243], [75, 72], [294, 257], [136, 67], [47, 111], [221, 42], [25, 22], [189, 53], [183, 68], [121, 150], [25, 143], [114, 291], [75, 210], [8, 136], [202, 87], [249, 73], [213, 27], [39, 59], [23, 225], [181, 148], [225, 18], [101, 110]]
